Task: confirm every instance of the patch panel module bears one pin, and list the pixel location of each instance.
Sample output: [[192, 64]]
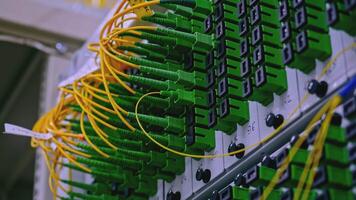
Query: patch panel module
[[203, 89]]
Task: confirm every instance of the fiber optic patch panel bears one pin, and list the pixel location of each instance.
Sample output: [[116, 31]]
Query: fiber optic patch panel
[[193, 93], [334, 177]]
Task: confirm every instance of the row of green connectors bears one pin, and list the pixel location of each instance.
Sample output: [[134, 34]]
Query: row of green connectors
[[241, 193], [334, 176], [138, 163], [304, 33], [198, 114], [341, 15], [260, 49], [232, 106]]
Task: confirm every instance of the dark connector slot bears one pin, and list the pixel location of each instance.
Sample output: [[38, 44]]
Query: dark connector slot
[[349, 5], [212, 118], [190, 116], [283, 10], [222, 87], [220, 30], [287, 53], [226, 194], [245, 67], [244, 47], [219, 12], [190, 136], [351, 131], [332, 13], [260, 76], [349, 108], [352, 152], [255, 15], [256, 35], [297, 3], [224, 108], [320, 176], [209, 59], [208, 24], [258, 55], [256, 193], [188, 61], [300, 18], [302, 41], [247, 88], [221, 49], [252, 174], [285, 32], [241, 8], [211, 98], [243, 26], [210, 76], [222, 67]]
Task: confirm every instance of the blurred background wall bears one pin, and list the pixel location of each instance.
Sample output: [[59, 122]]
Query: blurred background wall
[[39, 45]]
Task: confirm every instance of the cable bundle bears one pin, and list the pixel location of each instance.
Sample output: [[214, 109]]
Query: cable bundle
[[151, 103]]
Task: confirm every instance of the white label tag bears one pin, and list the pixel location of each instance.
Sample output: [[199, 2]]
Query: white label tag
[[89, 67], [17, 130]]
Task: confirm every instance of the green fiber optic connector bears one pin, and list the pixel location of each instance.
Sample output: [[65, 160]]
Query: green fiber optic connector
[[153, 83], [149, 101], [170, 124], [291, 176], [309, 18], [204, 141], [123, 143], [158, 50], [267, 35], [189, 79], [199, 6], [227, 127], [262, 14], [341, 17], [227, 12], [314, 45], [91, 197], [332, 154], [175, 164], [316, 4], [95, 188], [145, 186], [259, 175], [234, 111], [231, 88], [97, 164], [240, 193], [232, 68], [229, 48], [199, 40], [267, 55], [227, 29], [269, 3], [201, 117], [341, 194], [336, 135], [177, 22], [269, 79], [179, 10], [335, 155], [151, 55], [159, 39], [294, 60], [184, 97], [331, 176], [167, 65]]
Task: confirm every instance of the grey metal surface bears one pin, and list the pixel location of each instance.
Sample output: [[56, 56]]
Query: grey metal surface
[[256, 156]]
